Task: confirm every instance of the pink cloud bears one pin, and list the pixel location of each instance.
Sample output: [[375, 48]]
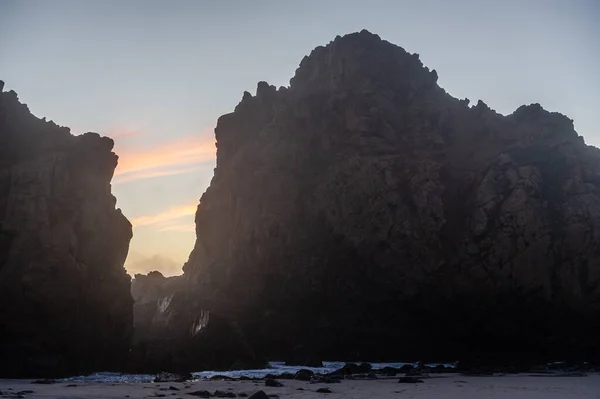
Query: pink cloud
[[188, 227], [165, 218], [183, 155]]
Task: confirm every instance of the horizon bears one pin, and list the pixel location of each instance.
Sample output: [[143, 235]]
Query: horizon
[[163, 128]]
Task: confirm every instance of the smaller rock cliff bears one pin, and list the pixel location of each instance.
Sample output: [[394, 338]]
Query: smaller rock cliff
[[171, 332], [66, 305]]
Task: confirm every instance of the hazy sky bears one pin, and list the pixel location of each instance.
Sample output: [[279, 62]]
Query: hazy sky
[[156, 75]]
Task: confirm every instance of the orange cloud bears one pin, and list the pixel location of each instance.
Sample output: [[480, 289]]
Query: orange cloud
[[179, 156], [154, 173], [125, 134], [165, 218], [179, 227]]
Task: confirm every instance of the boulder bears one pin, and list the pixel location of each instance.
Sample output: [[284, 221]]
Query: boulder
[[270, 382], [353, 368], [410, 380], [303, 375]]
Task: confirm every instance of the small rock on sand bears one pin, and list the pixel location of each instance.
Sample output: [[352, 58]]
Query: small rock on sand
[[200, 394], [410, 380], [259, 395], [269, 382]]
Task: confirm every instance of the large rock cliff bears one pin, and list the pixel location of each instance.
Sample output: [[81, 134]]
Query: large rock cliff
[[367, 214], [66, 306]]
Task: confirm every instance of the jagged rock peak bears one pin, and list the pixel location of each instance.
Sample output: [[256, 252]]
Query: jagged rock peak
[[360, 60]]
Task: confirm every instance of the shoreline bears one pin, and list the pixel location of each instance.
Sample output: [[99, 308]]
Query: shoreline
[[447, 385]]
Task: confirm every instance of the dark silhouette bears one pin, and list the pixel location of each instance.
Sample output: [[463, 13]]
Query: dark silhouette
[[66, 306]]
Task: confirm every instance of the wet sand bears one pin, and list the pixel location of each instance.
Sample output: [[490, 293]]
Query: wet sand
[[452, 386]]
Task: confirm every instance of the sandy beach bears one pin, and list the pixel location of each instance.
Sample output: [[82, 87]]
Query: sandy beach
[[452, 386]]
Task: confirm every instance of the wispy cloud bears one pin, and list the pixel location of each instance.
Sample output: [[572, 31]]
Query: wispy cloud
[[175, 157], [164, 219], [120, 134], [179, 227], [156, 173]]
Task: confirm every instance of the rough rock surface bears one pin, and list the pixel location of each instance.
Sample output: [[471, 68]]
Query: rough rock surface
[[171, 332], [66, 306], [367, 214]]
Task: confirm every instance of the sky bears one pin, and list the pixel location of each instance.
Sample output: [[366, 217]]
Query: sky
[[156, 75]]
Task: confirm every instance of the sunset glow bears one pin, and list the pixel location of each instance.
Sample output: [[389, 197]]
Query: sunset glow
[[179, 156]]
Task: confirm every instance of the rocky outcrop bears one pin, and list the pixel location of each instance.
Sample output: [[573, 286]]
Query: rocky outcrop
[[173, 333], [66, 302], [365, 213]]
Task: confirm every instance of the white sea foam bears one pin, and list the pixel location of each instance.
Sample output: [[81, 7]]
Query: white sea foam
[[275, 368]]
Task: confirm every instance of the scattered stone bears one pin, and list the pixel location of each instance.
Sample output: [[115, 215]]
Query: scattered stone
[[71, 385], [44, 381], [406, 368], [410, 380], [242, 395], [353, 368], [324, 390], [440, 368], [325, 379], [172, 388], [270, 382], [259, 395], [388, 371], [200, 394]]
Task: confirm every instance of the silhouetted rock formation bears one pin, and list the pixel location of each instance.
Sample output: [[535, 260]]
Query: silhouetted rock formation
[[173, 333], [151, 293], [365, 213], [66, 306]]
